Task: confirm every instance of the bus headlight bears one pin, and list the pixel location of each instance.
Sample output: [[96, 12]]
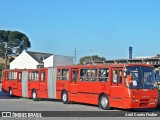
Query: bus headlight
[[153, 101]]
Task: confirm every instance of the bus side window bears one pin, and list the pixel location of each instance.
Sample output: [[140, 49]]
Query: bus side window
[[117, 76], [9, 74], [93, 75], [12, 75], [65, 74], [85, 74], [42, 77], [120, 77], [29, 75], [59, 74], [74, 75], [103, 74], [20, 76], [157, 75], [33, 76]]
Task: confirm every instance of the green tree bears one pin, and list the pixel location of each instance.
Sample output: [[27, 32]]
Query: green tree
[[12, 43], [94, 58]]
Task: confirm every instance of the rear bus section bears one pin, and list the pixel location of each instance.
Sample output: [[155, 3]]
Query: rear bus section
[[11, 82]]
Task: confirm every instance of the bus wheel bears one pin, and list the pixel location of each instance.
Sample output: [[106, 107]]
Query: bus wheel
[[65, 97], [34, 95], [104, 102], [10, 92]]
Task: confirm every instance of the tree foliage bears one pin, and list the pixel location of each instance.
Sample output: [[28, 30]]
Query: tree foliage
[[13, 43], [94, 58]]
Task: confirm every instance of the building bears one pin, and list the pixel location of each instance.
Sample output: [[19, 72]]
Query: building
[[155, 61], [33, 60]]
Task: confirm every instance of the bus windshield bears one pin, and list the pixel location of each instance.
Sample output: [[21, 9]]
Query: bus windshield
[[140, 77]]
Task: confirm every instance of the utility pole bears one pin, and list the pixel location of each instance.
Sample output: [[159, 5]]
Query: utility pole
[[91, 55], [75, 53], [6, 55]]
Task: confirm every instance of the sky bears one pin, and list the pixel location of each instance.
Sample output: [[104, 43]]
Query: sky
[[94, 27]]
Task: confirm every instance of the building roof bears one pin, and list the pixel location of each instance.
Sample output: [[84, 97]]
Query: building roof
[[38, 56]]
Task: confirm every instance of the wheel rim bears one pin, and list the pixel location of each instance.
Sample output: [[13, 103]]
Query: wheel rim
[[10, 92], [104, 102], [34, 95], [64, 97]]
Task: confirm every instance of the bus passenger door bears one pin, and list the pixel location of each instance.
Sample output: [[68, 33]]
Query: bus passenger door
[[19, 81], [43, 81], [116, 88], [73, 82]]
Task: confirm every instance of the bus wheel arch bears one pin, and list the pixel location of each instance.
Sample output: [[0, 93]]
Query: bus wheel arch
[[64, 97], [103, 102], [34, 95]]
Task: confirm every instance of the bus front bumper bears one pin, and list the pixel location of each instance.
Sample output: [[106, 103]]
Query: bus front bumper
[[140, 103]]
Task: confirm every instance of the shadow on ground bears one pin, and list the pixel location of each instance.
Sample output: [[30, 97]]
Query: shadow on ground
[[6, 96]]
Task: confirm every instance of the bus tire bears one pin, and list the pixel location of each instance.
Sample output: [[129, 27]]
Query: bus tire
[[104, 102], [65, 97], [10, 92], [34, 95]]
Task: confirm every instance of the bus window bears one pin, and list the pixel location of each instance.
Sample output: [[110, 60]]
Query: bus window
[[103, 74], [74, 75], [14, 75], [7, 75], [93, 75], [84, 74], [20, 76], [33, 76], [29, 76], [63, 74], [117, 77], [59, 74], [42, 77], [157, 75], [11, 75]]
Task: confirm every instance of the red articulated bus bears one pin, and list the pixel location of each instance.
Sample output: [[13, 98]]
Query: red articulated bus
[[116, 85]]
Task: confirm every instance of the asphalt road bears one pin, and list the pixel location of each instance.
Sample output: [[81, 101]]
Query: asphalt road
[[8, 103]]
